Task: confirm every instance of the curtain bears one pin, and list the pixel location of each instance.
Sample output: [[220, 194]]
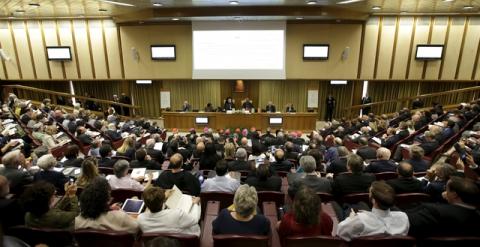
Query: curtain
[[388, 90], [455, 98], [283, 92], [57, 86], [147, 96], [98, 89], [342, 95], [197, 92]]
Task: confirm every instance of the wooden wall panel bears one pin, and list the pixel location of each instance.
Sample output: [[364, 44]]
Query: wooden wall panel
[[452, 49], [421, 37], [470, 50], [370, 48], [405, 29], [50, 35], [38, 50], [339, 36], [387, 39], [65, 33], [440, 26], [24, 57], [8, 46], [113, 49], [98, 49], [83, 50]]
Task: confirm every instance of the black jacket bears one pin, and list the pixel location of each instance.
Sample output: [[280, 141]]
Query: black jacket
[[367, 153], [338, 165], [345, 184], [406, 185], [377, 166], [238, 165], [283, 166], [156, 155], [149, 164], [273, 183], [184, 180]]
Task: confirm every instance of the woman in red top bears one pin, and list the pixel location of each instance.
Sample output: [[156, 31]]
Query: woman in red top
[[306, 217]]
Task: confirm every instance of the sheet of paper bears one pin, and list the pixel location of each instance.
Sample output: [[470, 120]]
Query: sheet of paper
[[179, 200], [138, 172]]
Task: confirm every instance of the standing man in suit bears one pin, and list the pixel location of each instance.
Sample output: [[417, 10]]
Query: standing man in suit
[[270, 107], [366, 100], [186, 107], [290, 108], [330, 103], [125, 100]]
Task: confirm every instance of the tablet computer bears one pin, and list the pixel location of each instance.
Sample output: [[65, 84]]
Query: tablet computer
[[133, 206]]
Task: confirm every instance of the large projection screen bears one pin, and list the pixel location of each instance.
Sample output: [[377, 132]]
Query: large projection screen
[[238, 50]]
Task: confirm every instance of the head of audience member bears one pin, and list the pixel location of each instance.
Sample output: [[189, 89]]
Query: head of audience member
[[382, 195], [338, 141], [416, 152], [105, 151], [263, 172], [120, 169], [128, 143], [229, 150], [308, 164], [140, 154], [37, 198], [200, 147], [362, 141], [430, 135], [461, 190], [13, 159], [245, 201], [256, 148], [405, 170], [154, 197], [51, 130], [306, 206], [241, 154], [289, 146], [89, 171], [95, 198], [443, 171], [71, 152], [383, 153], [244, 142], [210, 149], [176, 162], [150, 143], [279, 155], [221, 168], [355, 164], [4, 187], [342, 152], [317, 155], [47, 162], [81, 130]]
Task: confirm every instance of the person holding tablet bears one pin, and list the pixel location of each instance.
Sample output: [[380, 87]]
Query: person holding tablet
[[173, 220]]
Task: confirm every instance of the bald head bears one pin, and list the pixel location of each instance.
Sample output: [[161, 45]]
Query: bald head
[[405, 170], [176, 161], [244, 141], [279, 155]]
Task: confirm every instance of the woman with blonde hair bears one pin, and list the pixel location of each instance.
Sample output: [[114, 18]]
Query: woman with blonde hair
[[244, 218], [128, 148], [229, 151], [89, 172]]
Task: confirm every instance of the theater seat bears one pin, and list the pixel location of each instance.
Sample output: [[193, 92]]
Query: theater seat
[[120, 195], [356, 198], [271, 196], [383, 241], [184, 239], [449, 242], [105, 170], [90, 238], [323, 241], [225, 199], [385, 175], [230, 240], [34, 236], [325, 197], [408, 200]]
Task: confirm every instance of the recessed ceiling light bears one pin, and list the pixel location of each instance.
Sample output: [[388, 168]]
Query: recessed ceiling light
[[447, 1], [376, 8], [404, 12], [299, 18], [157, 4], [118, 3], [312, 2], [102, 10], [350, 1], [467, 7], [234, 3], [34, 4], [175, 19]]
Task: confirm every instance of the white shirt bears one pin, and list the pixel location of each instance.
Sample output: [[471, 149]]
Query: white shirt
[[220, 183], [171, 220], [376, 222], [124, 183]]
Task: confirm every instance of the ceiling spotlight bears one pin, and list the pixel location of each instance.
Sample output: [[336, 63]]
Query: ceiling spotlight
[[447, 1], [312, 2], [467, 7], [175, 19], [234, 3], [350, 1], [376, 8], [157, 4], [118, 3], [34, 4]]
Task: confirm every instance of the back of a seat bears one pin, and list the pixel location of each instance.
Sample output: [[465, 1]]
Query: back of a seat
[[407, 200], [120, 195], [90, 238], [385, 175], [34, 236], [449, 242], [324, 241], [230, 240], [356, 198], [271, 196], [184, 239], [325, 197], [224, 198], [383, 241]]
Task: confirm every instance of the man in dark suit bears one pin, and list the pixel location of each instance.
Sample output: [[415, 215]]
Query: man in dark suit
[[113, 133], [280, 163], [184, 180], [125, 100], [290, 108], [429, 143], [354, 182], [247, 105], [339, 164], [156, 155], [142, 160], [310, 178], [406, 182], [290, 151], [264, 180], [401, 133], [365, 151], [416, 159], [83, 137], [366, 100], [382, 163], [105, 156], [330, 104], [186, 107], [240, 163], [457, 218], [270, 107], [16, 177]]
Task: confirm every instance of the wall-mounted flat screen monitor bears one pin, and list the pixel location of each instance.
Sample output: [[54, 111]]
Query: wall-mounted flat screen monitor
[[315, 51], [144, 81], [201, 120], [338, 82], [275, 120], [163, 52], [59, 53], [429, 52]]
